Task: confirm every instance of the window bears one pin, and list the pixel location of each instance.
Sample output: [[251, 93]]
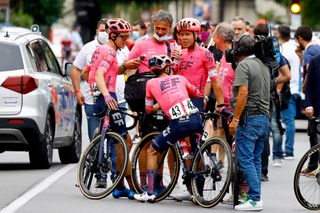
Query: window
[[10, 57], [50, 58], [39, 56]]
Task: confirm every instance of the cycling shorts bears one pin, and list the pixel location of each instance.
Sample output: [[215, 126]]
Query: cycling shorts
[[177, 129]]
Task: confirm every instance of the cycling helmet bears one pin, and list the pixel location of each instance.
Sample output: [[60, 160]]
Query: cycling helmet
[[189, 24], [158, 63], [117, 25]]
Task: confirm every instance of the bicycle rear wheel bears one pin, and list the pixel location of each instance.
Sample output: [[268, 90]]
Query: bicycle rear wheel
[[211, 177], [111, 168], [307, 186], [167, 174]]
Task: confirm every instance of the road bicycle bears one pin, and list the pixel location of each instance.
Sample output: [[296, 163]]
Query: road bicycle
[[307, 186], [209, 178], [106, 157]]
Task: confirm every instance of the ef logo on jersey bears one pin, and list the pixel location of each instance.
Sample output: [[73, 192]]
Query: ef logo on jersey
[[185, 65], [169, 83]]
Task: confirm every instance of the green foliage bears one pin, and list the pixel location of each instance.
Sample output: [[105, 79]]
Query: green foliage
[[21, 19], [310, 13], [44, 12]]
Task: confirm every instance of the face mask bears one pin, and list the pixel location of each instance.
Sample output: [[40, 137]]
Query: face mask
[[163, 38], [135, 35], [103, 37], [204, 36]]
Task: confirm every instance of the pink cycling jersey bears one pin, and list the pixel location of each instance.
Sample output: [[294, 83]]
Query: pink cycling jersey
[[104, 58], [148, 47], [226, 77], [172, 94], [196, 65]]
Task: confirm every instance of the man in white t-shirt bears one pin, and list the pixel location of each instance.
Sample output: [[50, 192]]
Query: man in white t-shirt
[[288, 51]]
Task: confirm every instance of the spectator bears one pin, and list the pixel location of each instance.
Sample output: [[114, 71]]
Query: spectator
[[306, 49], [239, 26], [288, 115], [313, 109], [139, 31], [76, 39]]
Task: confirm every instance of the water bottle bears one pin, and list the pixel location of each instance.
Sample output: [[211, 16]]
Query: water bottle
[[175, 60]]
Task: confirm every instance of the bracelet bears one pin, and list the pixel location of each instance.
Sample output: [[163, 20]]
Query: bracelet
[[124, 66], [236, 120], [221, 105], [77, 91], [206, 98]]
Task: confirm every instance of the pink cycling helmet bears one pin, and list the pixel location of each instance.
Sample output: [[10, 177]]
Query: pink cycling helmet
[[159, 63], [117, 25], [189, 24]]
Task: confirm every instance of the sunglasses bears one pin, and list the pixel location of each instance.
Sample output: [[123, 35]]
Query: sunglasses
[[156, 62]]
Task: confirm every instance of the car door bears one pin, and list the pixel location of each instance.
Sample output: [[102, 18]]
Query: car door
[[66, 98]]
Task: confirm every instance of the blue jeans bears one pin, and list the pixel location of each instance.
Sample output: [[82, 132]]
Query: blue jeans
[[276, 135], [250, 139], [93, 122], [287, 117]]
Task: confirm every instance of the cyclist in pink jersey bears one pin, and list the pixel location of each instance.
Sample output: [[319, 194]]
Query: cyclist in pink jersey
[[102, 79], [172, 95], [197, 63]]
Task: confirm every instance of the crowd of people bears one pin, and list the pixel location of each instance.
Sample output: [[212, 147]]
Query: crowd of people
[[186, 70]]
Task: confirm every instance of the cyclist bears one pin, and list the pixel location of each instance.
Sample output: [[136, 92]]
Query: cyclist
[[196, 64], [102, 80], [172, 95]]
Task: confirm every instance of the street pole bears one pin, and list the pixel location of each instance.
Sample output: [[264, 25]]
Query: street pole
[[295, 20]]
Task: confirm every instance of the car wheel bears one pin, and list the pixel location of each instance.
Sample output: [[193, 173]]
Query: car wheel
[[71, 154], [40, 154]]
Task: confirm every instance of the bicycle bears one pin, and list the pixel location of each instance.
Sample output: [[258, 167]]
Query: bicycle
[[106, 156], [209, 178], [307, 186]]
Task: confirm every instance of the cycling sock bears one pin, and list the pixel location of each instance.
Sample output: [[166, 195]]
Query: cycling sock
[[143, 180], [151, 179]]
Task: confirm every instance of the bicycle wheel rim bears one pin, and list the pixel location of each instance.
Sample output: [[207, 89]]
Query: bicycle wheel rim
[[139, 178], [307, 187], [88, 172], [209, 185]]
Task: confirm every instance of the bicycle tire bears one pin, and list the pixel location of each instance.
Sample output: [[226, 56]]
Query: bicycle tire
[[87, 168], [168, 181], [216, 178], [307, 186]]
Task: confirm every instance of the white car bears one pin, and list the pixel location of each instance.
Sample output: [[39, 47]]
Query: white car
[[38, 108]]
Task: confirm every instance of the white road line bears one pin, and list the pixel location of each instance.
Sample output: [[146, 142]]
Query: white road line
[[24, 198]]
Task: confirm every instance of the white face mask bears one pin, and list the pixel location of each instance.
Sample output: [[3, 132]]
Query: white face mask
[[103, 37], [163, 38], [135, 35]]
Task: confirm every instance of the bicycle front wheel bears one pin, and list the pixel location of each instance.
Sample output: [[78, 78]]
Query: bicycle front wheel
[[307, 186], [168, 169], [110, 170], [212, 170]]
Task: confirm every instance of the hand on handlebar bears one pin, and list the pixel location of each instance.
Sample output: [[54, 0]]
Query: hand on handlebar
[[110, 102]]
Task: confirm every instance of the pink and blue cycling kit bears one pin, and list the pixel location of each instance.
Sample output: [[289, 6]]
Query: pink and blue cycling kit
[[172, 94], [226, 77], [196, 65], [148, 47], [104, 58]]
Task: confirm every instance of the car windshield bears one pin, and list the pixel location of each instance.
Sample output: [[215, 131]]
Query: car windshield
[[10, 57]]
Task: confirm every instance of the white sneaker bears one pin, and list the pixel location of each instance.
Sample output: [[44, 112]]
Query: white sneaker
[[277, 163], [288, 157], [249, 205], [144, 197], [185, 195]]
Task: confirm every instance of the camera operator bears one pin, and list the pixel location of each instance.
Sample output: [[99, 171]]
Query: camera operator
[[251, 116]]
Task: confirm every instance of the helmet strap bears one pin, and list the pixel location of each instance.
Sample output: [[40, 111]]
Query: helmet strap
[[113, 39]]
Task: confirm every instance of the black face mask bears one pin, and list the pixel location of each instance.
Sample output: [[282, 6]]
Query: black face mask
[[231, 57]]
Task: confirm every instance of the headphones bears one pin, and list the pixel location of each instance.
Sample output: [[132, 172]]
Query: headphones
[[240, 49]]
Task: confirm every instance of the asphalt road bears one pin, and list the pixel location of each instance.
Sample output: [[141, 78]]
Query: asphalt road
[[26, 190]]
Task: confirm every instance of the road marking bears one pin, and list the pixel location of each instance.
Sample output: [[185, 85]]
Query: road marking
[[28, 195]]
